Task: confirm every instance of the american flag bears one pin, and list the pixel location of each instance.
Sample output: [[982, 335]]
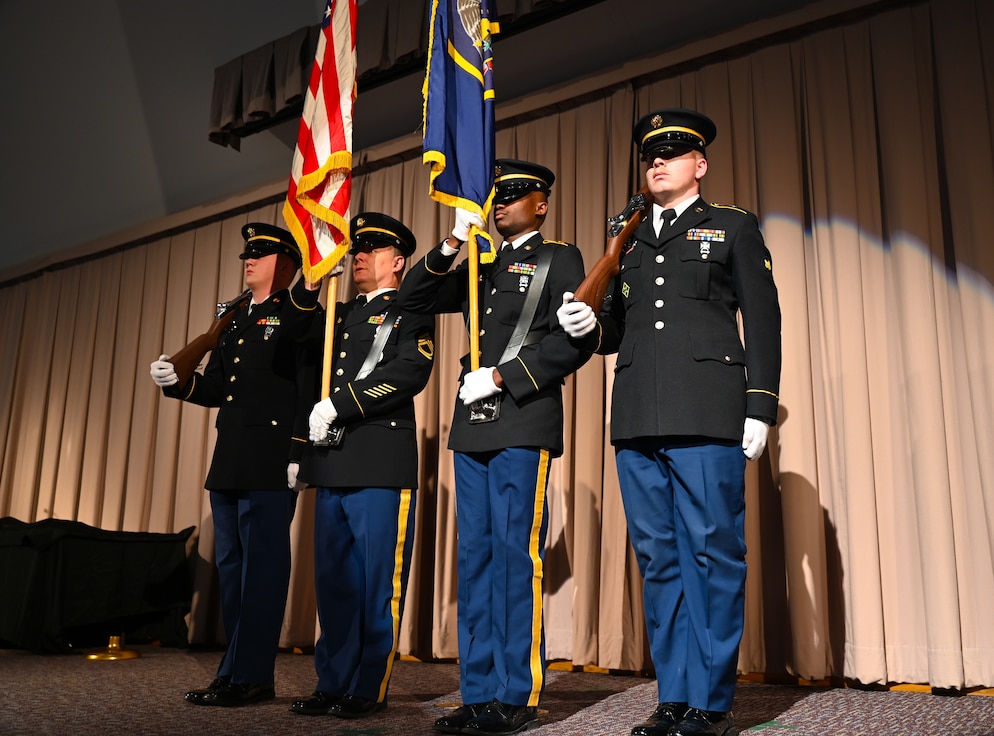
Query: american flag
[[459, 109], [320, 190]]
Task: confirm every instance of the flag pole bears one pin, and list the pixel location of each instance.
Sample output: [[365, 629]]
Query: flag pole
[[331, 297], [473, 293]]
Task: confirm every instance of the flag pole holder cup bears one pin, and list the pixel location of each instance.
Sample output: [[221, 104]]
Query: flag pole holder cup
[[113, 652]]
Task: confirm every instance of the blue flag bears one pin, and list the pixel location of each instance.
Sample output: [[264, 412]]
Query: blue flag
[[459, 109]]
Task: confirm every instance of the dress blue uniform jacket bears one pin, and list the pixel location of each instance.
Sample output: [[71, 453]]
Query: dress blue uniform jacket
[[671, 317], [531, 413], [258, 377], [379, 447]]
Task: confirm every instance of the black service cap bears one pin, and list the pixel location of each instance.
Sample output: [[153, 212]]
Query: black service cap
[[262, 239], [376, 230], [514, 179], [673, 130]]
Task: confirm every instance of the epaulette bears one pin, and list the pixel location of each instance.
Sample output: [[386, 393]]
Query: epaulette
[[558, 242], [730, 207]]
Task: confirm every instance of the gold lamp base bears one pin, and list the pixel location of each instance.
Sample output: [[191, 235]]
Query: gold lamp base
[[113, 652]]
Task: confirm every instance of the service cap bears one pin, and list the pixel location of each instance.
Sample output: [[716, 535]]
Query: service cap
[[673, 130], [376, 230], [263, 239], [513, 179]]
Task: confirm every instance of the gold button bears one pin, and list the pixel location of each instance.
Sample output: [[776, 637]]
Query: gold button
[[232, 379], [728, 359], [241, 341], [237, 360], [342, 354], [339, 372], [229, 397], [274, 422]]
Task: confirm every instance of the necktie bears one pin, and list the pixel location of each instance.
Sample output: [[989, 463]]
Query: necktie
[[666, 218], [360, 300]]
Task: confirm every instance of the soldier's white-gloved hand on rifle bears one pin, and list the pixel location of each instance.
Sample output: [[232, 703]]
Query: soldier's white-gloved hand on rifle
[[577, 318], [319, 422], [163, 372]]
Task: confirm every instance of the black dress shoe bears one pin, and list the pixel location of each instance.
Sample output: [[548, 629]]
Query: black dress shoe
[[234, 695], [500, 719], [456, 721], [704, 723], [318, 704], [658, 724], [195, 696], [352, 706]]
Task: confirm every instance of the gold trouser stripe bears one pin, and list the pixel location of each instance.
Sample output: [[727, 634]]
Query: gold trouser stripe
[[398, 580], [538, 513]]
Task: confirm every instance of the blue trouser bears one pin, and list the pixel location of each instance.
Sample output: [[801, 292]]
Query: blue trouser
[[501, 516], [252, 547], [363, 539], [685, 507]]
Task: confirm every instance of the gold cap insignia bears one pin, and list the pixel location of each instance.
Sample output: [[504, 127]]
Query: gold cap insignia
[[657, 121]]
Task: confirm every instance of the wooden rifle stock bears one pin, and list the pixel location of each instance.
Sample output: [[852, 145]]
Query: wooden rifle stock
[[186, 360], [619, 229]]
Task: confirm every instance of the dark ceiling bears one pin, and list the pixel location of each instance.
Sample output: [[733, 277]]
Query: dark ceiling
[[106, 120]]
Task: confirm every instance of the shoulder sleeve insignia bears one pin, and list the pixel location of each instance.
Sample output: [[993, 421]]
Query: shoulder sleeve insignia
[[426, 347]]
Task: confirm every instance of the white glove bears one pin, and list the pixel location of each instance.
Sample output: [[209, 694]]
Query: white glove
[[754, 434], [322, 415], [577, 318], [163, 372], [478, 384], [291, 475], [465, 218]]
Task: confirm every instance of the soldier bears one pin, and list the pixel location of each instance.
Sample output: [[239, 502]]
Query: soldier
[[257, 377], [366, 475], [690, 406], [506, 428]]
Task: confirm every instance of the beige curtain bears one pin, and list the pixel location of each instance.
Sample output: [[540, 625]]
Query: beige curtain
[[866, 150]]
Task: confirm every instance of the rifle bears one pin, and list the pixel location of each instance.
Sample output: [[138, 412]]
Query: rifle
[[188, 358], [619, 229]]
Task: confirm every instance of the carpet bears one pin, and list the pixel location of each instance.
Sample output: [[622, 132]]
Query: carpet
[[845, 712], [63, 695]]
